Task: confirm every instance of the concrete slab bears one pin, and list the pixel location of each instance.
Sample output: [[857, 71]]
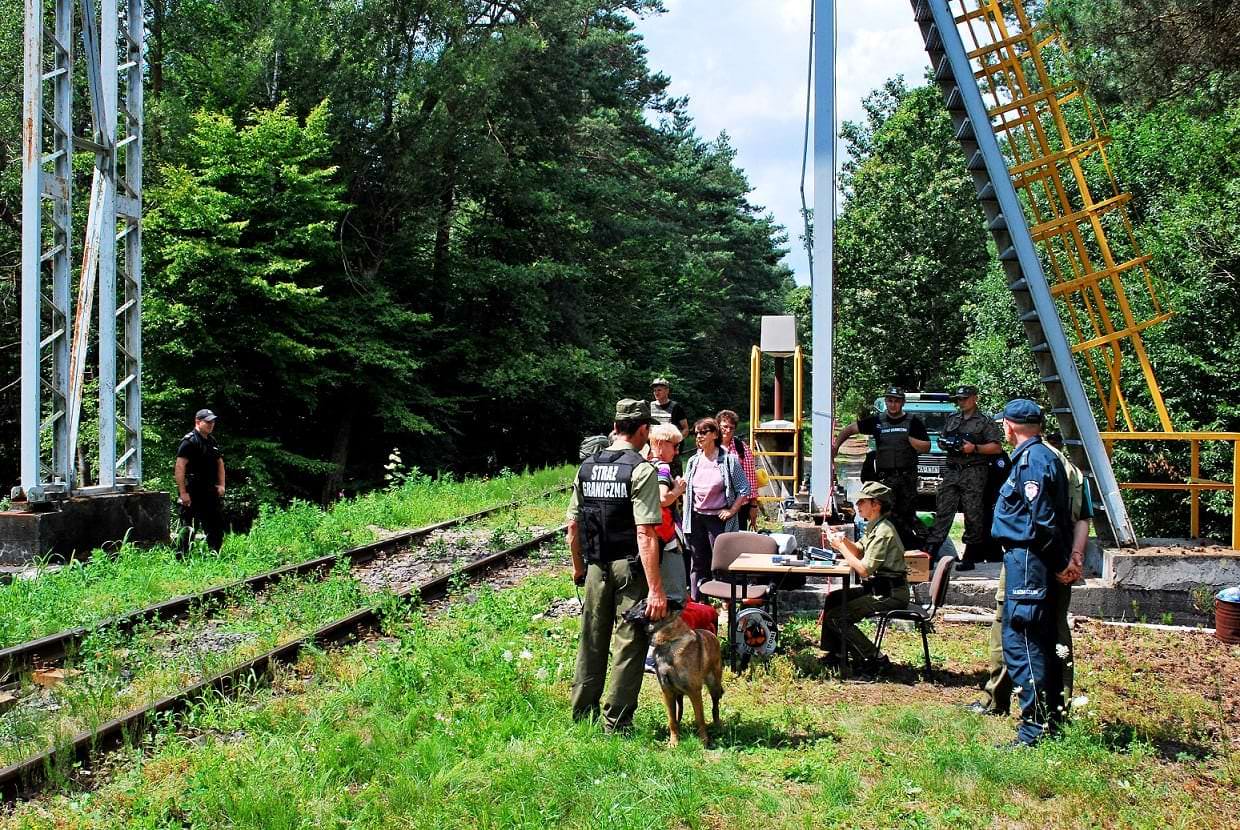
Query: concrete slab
[[1167, 567], [79, 526], [1093, 598]]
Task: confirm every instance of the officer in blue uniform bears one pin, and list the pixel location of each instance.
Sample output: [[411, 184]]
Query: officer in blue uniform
[[1033, 524]]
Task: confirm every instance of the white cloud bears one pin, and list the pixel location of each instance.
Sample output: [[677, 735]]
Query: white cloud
[[742, 63]]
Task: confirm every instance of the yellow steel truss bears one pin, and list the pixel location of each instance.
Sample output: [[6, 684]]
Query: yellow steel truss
[[1057, 155], [761, 437], [1056, 149]]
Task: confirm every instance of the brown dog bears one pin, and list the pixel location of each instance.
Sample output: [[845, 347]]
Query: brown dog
[[685, 659]]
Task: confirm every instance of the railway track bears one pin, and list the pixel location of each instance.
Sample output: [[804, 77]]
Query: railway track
[[54, 647], [26, 777]]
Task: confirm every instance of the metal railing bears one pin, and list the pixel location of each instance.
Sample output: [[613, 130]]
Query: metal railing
[[1193, 483]]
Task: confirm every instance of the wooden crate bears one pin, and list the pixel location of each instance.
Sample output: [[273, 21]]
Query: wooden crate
[[918, 566]]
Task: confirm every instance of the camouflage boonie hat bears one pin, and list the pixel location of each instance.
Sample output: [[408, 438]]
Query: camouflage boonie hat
[[875, 490], [660, 381], [630, 409]]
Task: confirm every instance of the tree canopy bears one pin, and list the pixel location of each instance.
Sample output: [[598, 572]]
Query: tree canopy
[[463, 228]]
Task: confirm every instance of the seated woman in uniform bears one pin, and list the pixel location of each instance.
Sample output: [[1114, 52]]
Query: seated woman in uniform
[[878, 558]]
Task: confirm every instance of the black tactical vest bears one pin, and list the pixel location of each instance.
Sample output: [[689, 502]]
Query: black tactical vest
[[605, 507], [892, 449]]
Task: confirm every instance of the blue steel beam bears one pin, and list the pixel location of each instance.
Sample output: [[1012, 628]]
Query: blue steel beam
[[822, 306]]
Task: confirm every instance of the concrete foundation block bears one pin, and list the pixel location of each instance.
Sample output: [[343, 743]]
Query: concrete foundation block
[[77, 526], [1172, 568]]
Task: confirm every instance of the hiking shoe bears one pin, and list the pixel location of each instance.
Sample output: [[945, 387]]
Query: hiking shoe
[[650, 668], [965, 566], [874, 665], [979, 708]]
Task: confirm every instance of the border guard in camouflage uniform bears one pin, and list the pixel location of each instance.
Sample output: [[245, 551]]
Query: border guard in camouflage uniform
[[613, 518], [971, 440]]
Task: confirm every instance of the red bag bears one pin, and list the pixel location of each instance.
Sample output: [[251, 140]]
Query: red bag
[[700, 615], [667, 528]]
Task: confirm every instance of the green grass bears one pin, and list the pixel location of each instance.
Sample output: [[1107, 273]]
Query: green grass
[[461, 720], [123, 671], [86, 592]]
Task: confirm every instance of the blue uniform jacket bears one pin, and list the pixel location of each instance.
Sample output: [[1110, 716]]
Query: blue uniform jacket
[[1033, 521]]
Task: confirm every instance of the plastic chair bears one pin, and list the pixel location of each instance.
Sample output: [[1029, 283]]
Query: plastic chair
[[922, 615], [727, 547]]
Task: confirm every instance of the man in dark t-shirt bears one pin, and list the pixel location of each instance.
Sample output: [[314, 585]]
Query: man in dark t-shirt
[[200, 481], [898, 437], [665, 410]]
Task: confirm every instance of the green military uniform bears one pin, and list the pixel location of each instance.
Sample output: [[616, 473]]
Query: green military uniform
[[611, 588], [997, 693], [963, 485], [882, 553]]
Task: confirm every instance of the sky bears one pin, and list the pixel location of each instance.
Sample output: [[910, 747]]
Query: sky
[[742, 64]]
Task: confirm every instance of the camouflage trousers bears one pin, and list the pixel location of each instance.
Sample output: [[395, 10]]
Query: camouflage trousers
[[961, 489], [998, 689]]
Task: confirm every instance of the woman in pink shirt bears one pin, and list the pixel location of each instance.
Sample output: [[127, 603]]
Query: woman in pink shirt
[[715, 491]]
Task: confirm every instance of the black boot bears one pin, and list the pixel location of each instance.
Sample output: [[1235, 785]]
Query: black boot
[[966, 562]]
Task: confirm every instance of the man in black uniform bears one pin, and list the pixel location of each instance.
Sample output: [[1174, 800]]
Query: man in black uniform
[[200, 481], [898, 438], [971, 440]]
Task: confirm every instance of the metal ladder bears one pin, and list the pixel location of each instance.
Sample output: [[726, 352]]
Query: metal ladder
[[1018, 255]]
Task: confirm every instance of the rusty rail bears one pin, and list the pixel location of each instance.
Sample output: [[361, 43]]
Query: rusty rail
[[26, 777]]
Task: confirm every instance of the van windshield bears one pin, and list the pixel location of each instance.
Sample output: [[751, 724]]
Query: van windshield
[[934, 420]]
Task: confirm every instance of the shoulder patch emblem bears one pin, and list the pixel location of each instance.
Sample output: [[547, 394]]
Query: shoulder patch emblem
[[1031, 490]]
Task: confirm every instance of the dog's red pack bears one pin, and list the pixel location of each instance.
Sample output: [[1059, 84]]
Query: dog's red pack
[[702, 616]]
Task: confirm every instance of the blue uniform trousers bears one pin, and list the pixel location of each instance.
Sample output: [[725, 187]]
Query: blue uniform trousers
[[1029, 653]]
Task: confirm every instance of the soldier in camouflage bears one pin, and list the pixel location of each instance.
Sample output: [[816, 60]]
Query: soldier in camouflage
[[971, 440]]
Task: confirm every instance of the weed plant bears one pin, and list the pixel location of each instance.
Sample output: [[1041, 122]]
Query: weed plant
[[87, 591], [462, 720]]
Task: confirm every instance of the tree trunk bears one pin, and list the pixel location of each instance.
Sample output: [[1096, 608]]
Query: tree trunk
[[443, 228], [340, 455], [83, 466]]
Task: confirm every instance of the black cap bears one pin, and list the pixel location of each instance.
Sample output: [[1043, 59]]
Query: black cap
[[894, 392], [964, 392], [204, 415]]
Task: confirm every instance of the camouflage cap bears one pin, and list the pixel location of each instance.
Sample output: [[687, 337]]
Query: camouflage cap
[[964, 392], [629, 409], [660, 381], [894, 392], [875, 490]]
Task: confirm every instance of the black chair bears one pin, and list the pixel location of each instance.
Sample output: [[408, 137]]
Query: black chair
[[922, 615]]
